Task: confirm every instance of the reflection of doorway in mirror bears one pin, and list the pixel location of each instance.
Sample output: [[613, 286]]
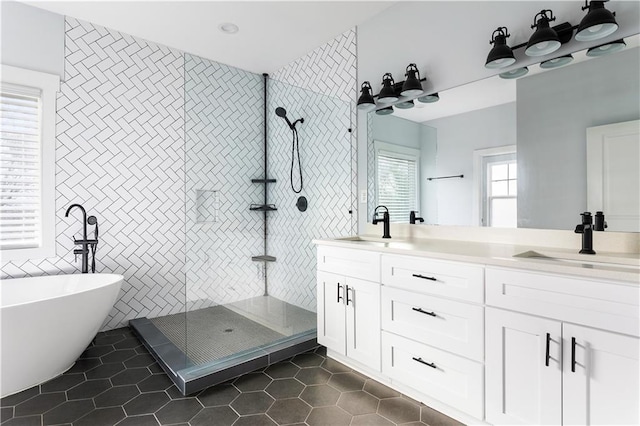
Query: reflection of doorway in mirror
[[613, 174], [495, 187]]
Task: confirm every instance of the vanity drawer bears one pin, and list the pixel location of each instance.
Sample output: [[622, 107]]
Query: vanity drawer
[[449, 279], [601, 304], [454, 380], [363, 264], [453, 326]]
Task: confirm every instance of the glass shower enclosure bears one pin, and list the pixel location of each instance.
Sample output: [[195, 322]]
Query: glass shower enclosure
[[250, 292]]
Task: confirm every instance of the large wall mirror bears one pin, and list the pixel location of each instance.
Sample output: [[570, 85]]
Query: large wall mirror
[[531, 152]]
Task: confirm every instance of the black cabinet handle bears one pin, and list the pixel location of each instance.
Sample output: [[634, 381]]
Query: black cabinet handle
[[339, 297], [347, 292], [573, 354], [424, 278], [546, 362], [433, 314], [421, 361]]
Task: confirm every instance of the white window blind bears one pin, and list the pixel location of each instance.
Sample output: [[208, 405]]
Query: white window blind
[[397, 185], [20, 168]]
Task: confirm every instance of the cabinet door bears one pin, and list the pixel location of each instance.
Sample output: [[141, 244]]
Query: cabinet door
[[363, 322], [520, 387], [600, 377], [331, 321]]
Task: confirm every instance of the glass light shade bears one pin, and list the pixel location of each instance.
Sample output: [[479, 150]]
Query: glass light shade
[[500, 55], [518, 72], [429, 99], [556, 62], [544, 40], [404, 105], [385, 111], [607, 48], [597, 23]]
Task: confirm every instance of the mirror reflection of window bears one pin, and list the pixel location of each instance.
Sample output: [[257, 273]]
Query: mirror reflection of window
[[501, 192], [397, 181]]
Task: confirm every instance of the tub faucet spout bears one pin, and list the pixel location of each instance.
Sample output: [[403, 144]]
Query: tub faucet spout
[[85, 243]]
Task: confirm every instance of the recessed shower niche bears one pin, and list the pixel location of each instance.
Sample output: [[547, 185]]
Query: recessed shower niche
[[207, 205]]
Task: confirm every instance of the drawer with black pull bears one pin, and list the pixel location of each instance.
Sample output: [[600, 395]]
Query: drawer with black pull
[[449, 378], [453, 326], [449, 279]]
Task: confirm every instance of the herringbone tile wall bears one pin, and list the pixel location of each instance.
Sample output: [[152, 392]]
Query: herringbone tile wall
[[320, 87], [120, 153], [331, 70], [325, 150], [224, 144]]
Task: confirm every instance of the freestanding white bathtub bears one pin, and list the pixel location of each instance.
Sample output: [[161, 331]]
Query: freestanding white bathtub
[[47, 322]]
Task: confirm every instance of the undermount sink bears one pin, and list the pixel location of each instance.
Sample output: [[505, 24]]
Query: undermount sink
[[583, 259], [377, 242]]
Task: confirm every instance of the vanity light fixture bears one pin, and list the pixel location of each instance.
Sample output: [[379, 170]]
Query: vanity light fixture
[[597, 23], [388, 93], [545, 39], [607, 48], [556, 62], [412, 85], [429, 99], [365, 101], [518, 72], [500, 55], [385, 111]]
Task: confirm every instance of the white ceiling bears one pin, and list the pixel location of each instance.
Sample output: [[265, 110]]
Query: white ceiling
[[272, 34]]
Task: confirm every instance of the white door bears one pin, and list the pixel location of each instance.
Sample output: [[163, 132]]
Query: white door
[[613, 174], [523, 384], [331, 321], [603, 386], [363, 322]]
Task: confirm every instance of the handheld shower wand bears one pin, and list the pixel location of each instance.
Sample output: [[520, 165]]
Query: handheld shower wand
[[282, 113]]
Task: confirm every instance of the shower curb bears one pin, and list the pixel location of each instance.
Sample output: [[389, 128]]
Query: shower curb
[[191, 378]]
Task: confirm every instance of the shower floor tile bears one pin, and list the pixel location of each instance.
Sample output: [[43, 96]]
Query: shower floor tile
[[363, 402]]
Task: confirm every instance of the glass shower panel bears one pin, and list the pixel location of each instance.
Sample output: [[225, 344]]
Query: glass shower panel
[[239, 307]]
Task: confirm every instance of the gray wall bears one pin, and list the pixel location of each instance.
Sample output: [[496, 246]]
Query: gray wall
[[458, 136], [554, 110], [32, 38], [407, 133]]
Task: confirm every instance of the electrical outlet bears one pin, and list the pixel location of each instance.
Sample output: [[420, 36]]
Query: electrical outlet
[[363, 196]]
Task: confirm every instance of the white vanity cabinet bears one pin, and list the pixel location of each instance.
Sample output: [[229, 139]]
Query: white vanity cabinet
[[569, 356], [348, 306], [432, 337]]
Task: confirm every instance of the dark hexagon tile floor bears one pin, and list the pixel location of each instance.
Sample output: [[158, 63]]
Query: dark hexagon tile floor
[[117, 382]]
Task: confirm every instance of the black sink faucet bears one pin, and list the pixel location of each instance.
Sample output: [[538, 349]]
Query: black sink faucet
[[384, 220], [413, 218], [84, 242], [586, 229]]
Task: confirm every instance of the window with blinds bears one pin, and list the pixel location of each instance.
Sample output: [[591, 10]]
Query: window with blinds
[[20, 167], [397, 184]]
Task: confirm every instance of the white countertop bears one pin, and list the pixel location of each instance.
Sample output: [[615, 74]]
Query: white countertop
[[609, 266]]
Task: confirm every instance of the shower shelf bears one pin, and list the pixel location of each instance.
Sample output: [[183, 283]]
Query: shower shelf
[[263, 207], [264, 258], [263, 180]]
